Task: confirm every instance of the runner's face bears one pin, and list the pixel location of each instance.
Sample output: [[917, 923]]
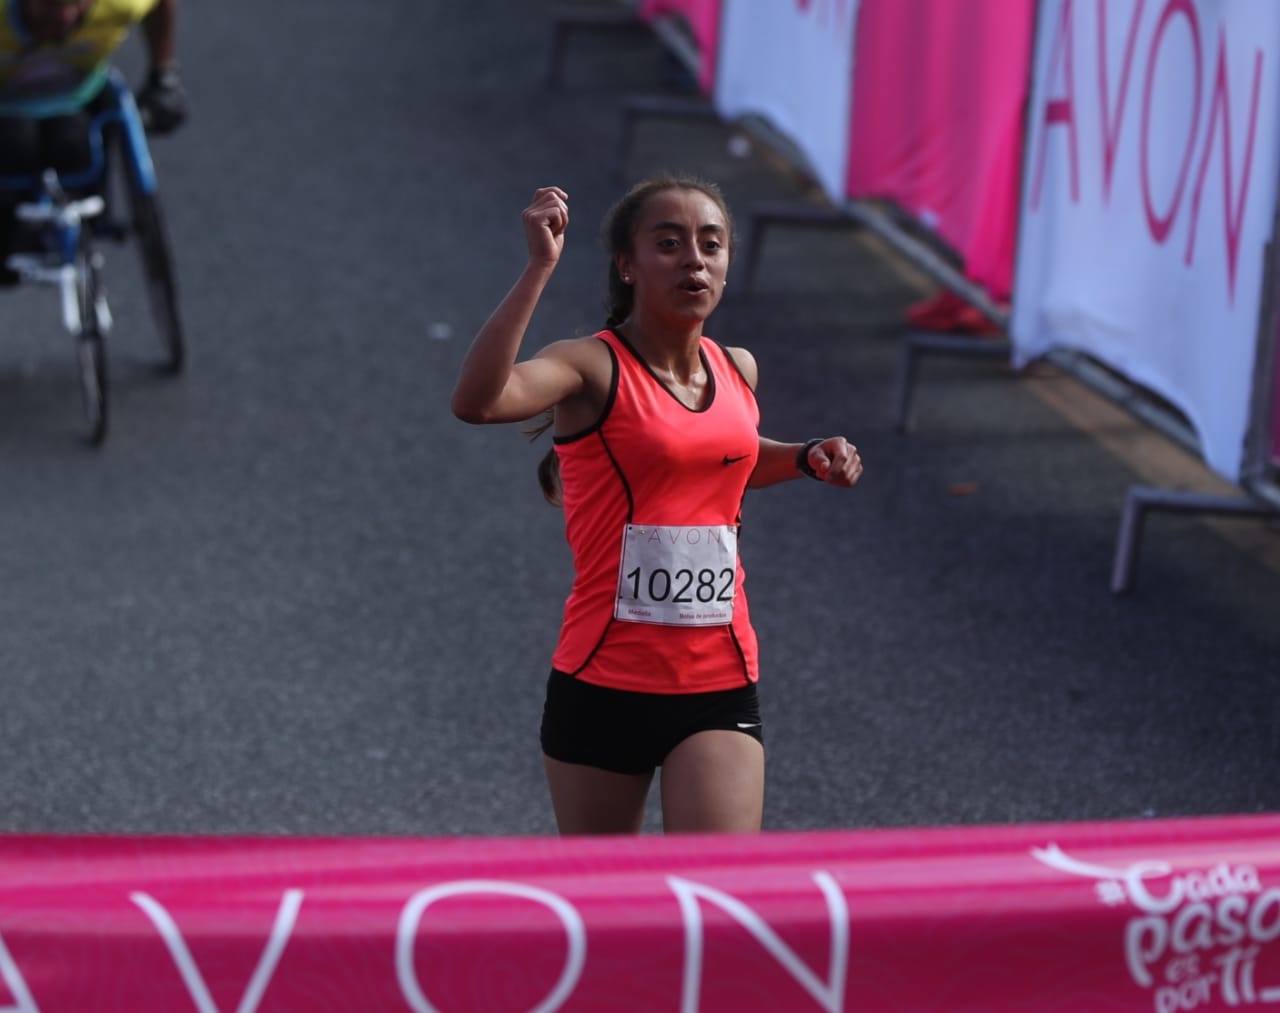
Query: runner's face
[[680, 254], [54, 20]]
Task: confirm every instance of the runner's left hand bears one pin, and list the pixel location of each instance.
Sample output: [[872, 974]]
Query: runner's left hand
[[835, 460]]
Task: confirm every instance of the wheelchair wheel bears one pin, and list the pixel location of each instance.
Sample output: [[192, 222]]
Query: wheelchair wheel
[[157, 265], [91, 354]]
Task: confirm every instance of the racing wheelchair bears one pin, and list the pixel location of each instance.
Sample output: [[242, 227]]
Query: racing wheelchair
[[61, 217]]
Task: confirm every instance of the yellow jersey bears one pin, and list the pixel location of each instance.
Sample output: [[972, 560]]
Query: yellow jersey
[[49, 79]]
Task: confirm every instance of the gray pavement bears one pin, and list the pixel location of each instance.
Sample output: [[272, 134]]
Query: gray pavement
[[293, 595]]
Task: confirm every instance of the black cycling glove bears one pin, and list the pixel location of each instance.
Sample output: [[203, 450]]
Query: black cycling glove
[[162, 101]]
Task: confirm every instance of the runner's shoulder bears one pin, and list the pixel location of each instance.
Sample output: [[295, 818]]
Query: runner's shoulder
[[588, 355]]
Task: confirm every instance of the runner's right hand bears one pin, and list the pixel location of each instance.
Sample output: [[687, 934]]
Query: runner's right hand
[[545, 221]]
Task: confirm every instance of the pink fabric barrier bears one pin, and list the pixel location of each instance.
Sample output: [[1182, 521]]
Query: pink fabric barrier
[[938, 93], [1156, 915], [703, 17]]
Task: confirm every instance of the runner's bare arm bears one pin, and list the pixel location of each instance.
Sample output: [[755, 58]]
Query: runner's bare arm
[[776, 463], [833, 460], [492, 386], [529, 387]]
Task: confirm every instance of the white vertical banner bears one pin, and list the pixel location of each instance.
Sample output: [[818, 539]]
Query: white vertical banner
[[1149, 190], [790, 62]]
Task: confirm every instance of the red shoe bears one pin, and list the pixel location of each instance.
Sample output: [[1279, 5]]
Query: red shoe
[[970, 320], [949, 314], [936, 314]]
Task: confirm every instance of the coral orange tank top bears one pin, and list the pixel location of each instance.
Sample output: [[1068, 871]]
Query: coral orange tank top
[[652, 499]]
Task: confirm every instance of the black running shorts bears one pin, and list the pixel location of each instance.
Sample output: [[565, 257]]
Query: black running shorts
[[631, 733]]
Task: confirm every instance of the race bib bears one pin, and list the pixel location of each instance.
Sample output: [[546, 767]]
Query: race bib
[[677, 576]]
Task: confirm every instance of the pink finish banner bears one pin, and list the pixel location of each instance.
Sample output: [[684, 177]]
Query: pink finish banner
[[1162, 916], [703, 18], [938, 94]]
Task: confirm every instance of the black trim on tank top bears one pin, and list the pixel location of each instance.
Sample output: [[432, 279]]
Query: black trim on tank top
[[702, 357], [599, 644], [622, 477], [608, 401], [737, 369], [746, 672], [631, 510]]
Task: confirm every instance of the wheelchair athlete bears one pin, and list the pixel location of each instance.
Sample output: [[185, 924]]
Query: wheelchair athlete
[[54, 58]]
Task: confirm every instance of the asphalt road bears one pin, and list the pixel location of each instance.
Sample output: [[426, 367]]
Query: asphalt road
[[292, 595]]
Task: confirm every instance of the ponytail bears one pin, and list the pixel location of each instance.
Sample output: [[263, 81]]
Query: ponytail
[[621, 298], [549, 466]]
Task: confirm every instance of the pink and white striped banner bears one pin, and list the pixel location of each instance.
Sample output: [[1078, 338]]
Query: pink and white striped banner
[[1163, 916], [1150, 192], [1150, 166], [938, 94], [917, 101]]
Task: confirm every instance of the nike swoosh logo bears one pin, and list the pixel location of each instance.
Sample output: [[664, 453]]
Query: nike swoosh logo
[[748, 724], [733, 460]]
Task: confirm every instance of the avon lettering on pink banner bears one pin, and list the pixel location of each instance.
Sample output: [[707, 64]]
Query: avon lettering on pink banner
[[1162, 916]]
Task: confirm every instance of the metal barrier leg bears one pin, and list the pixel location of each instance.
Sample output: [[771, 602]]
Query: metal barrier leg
[[761, 216], [917, 343], [906, 385], [1142, 499], [1128, 540]]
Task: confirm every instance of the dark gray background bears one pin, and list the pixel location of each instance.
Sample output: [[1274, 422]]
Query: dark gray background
[[293, 595]]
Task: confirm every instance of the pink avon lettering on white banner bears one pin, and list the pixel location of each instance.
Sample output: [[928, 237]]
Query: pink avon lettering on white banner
[[1149, 196]]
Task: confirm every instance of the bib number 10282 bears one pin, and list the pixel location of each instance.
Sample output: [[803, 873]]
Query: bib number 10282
[[678, 576]]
